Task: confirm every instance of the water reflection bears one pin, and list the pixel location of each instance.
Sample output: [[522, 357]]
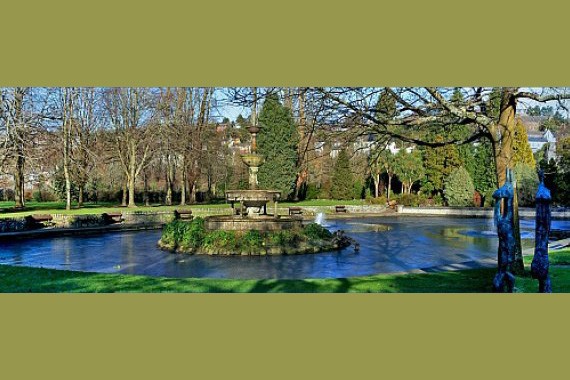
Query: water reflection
[[411, 243]]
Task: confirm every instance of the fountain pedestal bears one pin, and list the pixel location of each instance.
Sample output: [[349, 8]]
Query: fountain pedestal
[[250, 206]]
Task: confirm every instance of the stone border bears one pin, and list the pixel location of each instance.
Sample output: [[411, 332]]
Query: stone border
[[63, 224], [475, 212]]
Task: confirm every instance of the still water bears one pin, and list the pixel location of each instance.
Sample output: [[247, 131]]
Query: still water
[[412, 243]]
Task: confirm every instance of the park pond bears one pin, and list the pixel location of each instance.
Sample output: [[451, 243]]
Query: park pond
[[412, 243]]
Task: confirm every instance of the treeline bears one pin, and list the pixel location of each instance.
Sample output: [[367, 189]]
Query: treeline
[[178, 146]]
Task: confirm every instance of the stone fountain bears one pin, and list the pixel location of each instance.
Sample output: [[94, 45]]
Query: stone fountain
[[250, 206]]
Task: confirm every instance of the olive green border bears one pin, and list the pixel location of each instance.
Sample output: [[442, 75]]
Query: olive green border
[[263, 43]]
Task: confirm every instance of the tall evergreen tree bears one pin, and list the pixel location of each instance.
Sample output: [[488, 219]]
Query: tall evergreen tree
[[439, 163], [342, 179], [522, 153], [277, 141], [482, 169], [563, 176], [459, 188]]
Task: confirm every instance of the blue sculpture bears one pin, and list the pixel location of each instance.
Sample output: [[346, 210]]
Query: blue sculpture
[[540, 264], [504, 221]]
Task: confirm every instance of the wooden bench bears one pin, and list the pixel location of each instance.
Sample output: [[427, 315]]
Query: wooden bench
[[340, 209], [183, 214], [36, 220], [112, 217], [295, 211]]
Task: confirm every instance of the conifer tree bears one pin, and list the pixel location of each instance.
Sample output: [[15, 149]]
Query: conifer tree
[[522, 153], [459, 188], [342, 178], [277, 141]]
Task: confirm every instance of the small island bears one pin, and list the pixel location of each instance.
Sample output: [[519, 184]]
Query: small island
[[192, 237]]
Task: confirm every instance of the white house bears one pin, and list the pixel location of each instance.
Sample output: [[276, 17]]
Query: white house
[[537, 140]]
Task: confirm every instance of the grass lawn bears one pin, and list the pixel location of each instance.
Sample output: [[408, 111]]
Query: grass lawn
[[21, 279], [6, 208], [88, 208]]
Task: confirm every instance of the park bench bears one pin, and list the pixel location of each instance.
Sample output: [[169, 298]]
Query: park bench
[[340, 209], [183, 214], [392, 204], [35, 220], [112, 217], [295, 211]]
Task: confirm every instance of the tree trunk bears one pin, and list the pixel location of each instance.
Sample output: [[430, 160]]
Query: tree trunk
[[19, 182], [80, 196], [132, 174], [125, 192], [145, 189], [376, 180], [169, 179], [67, 108], [67, 179], [192, 187], [132, 192], [503, 136], [389, 187], [183, 185]]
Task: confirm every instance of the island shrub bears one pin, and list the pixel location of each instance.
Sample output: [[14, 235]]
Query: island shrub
[[184, 234], [221, 240], [316, 231], [282, 238], [252, 239], [192, 237]]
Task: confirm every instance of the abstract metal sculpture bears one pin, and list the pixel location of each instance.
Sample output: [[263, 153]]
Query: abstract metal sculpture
[[505, 229], [540, 264]]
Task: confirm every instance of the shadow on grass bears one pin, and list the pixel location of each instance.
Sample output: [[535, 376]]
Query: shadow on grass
[[14, 279]]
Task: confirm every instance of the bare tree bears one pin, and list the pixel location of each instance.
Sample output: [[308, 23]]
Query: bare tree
[[130, 112], [21, 114]]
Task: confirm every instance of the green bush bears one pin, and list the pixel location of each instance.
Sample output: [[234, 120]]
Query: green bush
[[358, 190], [527, 184], [434, 200], [489, 201], [381, 200], [316, 231], [251, 239], [220, 239], [283, 238], [459, 188], [185, 234], [410, 200], [194, 234], [312, 192]]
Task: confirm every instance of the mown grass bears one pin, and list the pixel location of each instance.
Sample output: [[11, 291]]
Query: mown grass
[[23, 279], [90, 208], [558, 257]]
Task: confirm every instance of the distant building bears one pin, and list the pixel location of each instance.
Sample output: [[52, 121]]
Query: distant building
[[538, 140]]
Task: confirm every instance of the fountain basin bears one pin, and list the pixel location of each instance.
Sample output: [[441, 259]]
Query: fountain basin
[[253, 160], [252, 195], [252, 203]]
